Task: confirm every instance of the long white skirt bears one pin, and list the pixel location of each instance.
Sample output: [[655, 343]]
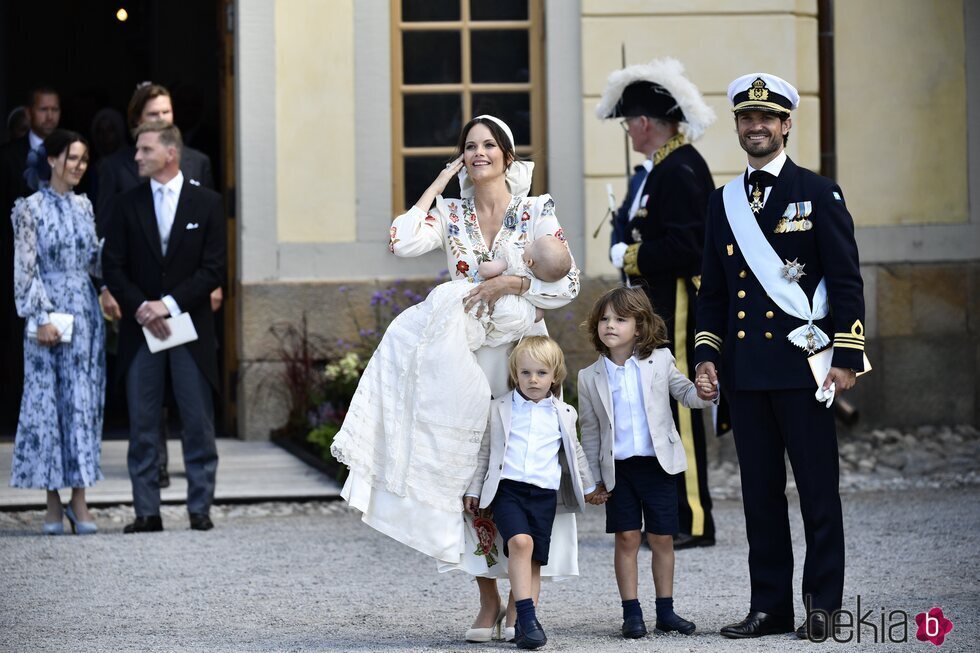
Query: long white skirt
[[450, 537]]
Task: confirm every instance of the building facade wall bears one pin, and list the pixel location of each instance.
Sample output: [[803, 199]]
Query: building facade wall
[[315, 202]]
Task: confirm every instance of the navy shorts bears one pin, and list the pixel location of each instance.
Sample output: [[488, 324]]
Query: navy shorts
[[525, 509], [644, 495]]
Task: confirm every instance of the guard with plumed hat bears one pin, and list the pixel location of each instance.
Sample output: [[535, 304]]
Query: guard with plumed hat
[[781, 282], [658, 237]]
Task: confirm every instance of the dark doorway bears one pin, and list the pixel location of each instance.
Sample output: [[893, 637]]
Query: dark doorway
[[95, 59]]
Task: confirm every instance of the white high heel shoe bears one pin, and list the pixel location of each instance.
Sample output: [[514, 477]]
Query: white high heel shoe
[[508, 634], [487, 634]]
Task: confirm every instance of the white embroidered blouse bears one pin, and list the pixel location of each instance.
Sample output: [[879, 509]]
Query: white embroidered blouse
[[452, 224]]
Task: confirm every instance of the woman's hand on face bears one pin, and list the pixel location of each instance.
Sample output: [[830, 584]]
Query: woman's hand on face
[[446, 175], [485, 295], [48, 335]]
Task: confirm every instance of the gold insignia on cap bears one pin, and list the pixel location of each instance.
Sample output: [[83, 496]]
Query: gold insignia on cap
[[758, 90]]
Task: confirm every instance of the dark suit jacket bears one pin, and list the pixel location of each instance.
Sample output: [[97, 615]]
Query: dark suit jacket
[[135, 270], [13, 162], [118, 173], [756, 361]]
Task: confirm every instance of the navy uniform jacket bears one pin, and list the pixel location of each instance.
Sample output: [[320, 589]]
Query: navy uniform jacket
[[671, 225], [737, 321]]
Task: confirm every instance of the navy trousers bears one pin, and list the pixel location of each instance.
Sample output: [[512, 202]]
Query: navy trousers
[[767, 424], [144, 393]]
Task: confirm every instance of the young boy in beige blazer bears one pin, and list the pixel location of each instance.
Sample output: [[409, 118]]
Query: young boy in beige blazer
[[530, 459], [632, 444]]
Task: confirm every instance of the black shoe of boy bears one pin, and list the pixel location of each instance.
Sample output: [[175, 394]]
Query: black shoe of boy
[[634, 628], [530, 635], [675, 622]]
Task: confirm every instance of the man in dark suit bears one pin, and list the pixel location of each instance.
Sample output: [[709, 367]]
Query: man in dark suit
[[44, 113], [661, 229], [118, 173], [780, 274], [164, 254]]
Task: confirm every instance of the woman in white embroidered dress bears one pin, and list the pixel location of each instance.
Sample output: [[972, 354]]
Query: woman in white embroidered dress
[[392, 481]]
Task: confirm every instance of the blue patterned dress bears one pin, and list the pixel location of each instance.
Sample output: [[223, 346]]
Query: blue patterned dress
[[59, 433]]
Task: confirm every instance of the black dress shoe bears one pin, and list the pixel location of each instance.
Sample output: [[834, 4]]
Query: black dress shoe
[[677, 623], [758, 624], [200, 522], [151, 524], [634, 628], [163, 477], [530, 635], [814, 628], [685, 541]]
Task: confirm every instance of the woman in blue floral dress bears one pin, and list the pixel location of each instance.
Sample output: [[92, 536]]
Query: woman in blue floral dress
[[59, 432]]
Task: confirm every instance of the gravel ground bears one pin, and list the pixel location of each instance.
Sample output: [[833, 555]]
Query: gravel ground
[[311, 577]]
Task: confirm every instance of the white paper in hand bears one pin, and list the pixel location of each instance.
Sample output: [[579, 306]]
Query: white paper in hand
[[182, 331], [820, 364]]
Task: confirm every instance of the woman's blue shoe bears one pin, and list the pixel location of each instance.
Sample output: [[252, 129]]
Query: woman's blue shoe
[[80, 527], [53, 528]]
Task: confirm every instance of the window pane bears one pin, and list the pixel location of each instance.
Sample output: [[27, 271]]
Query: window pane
[[432, 119], [431, 57], [513, 108], [500, 55], [419, 173], [420, 10], [498, 9]]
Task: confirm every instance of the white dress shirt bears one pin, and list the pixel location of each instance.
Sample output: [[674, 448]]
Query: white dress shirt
[[773, 167], [165, 198], [533, 443], [632, 436], [34, 140], [635, 206]]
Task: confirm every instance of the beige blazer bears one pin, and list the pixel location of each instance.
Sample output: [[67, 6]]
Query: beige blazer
[[575, 474], [661, 380]]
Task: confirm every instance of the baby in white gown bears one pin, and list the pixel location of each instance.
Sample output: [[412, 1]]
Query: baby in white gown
[[414, 427], [545, 258]]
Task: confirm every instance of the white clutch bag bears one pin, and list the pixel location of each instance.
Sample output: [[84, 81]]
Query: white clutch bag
[[63, 322]]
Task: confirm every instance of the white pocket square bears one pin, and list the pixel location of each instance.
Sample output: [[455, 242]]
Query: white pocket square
[[192, 225], [194, 182]]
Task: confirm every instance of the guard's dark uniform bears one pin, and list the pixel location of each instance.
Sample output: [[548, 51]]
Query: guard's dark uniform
[[666, 238], [769, 384]]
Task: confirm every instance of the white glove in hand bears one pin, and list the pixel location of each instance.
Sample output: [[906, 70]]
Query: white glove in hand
[[826, 395], [616, 254]]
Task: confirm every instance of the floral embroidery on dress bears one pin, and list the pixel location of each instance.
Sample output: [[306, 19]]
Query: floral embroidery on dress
[[462, 267], [560, 235], [486, 533], [392, 240], [548, 208]]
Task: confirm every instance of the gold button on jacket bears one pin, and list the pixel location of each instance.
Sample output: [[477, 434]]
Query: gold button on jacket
[[768, 335], [741, 294], [741, 315], [742, 274], [741, 334], [770, 314]]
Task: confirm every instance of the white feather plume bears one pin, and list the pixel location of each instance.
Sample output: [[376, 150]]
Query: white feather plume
[[669, 73]]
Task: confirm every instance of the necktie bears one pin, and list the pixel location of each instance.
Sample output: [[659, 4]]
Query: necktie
[[759, 181], [165, 215]]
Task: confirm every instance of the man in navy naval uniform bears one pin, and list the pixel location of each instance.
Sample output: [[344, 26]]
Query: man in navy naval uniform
[[658, 238], [780, 274]]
